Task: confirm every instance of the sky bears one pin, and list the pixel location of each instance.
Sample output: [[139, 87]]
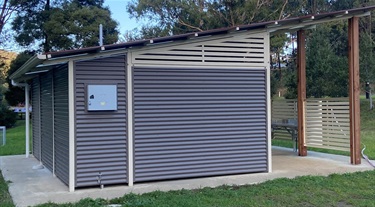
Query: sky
[[119, 13]]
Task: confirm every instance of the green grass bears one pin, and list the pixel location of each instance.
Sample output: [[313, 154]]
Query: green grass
[[15, 140], [5, 198], [355, 189], [368, 128]]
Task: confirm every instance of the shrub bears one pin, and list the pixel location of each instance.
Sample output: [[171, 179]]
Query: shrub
[[7, 117]]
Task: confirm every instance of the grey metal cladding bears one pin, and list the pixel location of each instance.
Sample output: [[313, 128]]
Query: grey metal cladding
[[199, 122], [61, 123], [46, 120], [101, 136], [35, 102]]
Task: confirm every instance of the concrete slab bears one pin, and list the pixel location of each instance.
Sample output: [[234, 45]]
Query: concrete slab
[[35, 186]]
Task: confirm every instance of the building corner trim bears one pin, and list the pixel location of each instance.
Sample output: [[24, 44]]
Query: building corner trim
[[71, 126], [268, 87], [129, 76]]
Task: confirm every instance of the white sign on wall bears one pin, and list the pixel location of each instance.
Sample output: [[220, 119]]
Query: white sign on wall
[[101, 97]]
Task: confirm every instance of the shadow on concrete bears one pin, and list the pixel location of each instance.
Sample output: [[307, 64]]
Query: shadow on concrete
[[30, 186]]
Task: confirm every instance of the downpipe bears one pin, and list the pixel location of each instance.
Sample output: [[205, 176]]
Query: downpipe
[[27, 115]]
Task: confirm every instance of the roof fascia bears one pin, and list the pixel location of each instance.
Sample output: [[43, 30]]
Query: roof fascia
[[36, 62], [302, 25], [29, 64], [83, 57], [197, 39]]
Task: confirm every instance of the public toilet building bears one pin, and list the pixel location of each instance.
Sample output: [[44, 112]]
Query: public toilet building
[[183, 106]]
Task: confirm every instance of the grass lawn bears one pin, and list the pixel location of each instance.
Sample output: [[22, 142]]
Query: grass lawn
[[15, 140], [368, 128], [355, 189]]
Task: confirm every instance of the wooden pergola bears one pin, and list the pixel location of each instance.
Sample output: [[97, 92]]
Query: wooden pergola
[[354, 91]]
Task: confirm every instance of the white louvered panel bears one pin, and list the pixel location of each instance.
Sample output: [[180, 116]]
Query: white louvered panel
[[220, 49], [148, 63], [247, 50], [205, 58], [191, 53], [327, 124]]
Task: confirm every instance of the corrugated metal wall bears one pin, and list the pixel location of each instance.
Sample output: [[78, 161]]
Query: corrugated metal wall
[[61, 123], [101, 137], [199, 122], [46, 120], [35, 103]]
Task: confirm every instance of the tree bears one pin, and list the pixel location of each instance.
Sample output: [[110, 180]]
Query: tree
[[327, 72], [64, 24], [182, 16], [6, 11], [15, 95], [7, 117], [5, 60], [326, 63]]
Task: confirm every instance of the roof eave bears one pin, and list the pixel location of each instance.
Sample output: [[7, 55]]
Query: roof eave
[[28, 65]]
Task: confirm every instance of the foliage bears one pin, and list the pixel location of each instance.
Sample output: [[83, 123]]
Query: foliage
[[63, 24], [16, 95], [327, 72], [5, 60], [5, 198], [290, 81], [333, 190], [182, 16], [7, 117], [6, 11], [367, 60]]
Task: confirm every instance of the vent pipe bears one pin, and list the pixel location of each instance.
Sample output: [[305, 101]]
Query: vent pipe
[[100, 35]]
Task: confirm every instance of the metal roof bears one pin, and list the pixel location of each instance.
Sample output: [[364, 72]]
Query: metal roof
[[276, 26]]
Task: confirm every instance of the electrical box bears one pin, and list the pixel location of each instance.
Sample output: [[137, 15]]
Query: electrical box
[[101, 97]]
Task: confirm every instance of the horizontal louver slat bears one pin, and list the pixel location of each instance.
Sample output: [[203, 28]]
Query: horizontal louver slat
[[101, 136], [61, 123], [199, 122], [47, 120], [35, 114]]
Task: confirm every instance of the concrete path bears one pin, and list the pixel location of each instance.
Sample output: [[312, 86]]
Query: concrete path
[[30, 186]]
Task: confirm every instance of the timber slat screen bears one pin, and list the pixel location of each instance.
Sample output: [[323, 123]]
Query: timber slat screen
[[327, 122]]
